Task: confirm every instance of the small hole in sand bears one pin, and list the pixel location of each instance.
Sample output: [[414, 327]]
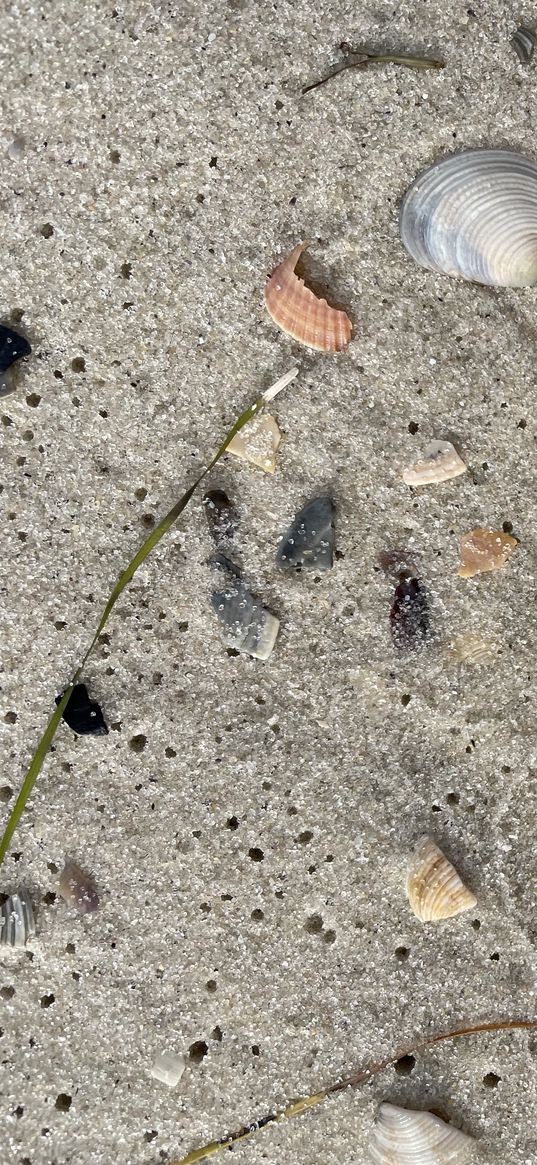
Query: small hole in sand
[[314, 924], [402, 954], [256, 854], [491, 1080], [405, 1065], [197, 1051], [138, 743]]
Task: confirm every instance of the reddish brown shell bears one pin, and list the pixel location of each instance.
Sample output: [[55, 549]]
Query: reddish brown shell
[[300, 313]]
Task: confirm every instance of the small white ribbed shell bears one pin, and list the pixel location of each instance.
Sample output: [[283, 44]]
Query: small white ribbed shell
[[434, 888], [474, 215], [440, 462], [403, 1137]]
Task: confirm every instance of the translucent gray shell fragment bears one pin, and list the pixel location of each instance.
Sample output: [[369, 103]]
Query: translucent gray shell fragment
[[17, 921], [247, 625], [523, 42], [309, 541]]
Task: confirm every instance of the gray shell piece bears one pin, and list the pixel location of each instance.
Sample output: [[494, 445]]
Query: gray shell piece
[[247, 625], [17, 920], [309, 541], [474, 215], [523, 42]]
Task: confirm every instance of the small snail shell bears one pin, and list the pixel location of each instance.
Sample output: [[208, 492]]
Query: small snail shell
[[474, 215]]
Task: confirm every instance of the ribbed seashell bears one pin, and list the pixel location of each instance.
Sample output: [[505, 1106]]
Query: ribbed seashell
[[17, 923], [300, 313], [523, 42], [474, 215], [434, 888], [248, 625], [482, 550], [309, 541], [402, 1136], [472, 648], [440, 462], [258, 442], [78, 888]]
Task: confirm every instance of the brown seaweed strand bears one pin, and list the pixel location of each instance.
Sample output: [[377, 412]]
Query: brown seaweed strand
[[297, 1107]]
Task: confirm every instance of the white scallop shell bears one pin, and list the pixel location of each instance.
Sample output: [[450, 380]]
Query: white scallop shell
[[474, 215], [434, 888], [403, 1137], [440, 462]]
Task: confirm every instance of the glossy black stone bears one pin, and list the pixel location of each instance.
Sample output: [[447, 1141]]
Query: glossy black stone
[[12, 348], [83, 715], [409, 615]]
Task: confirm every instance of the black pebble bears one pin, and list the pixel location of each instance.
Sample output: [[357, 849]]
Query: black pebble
[[83, 715], [409, 616], [12, 347]]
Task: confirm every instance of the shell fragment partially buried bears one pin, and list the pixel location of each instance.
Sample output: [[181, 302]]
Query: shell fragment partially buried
[[474, 215], [248, 625], [440, 462], [258, 443], [17, 923], [309, 541], [168, 1067], [482, 550], [434, 889], [402, 1136]]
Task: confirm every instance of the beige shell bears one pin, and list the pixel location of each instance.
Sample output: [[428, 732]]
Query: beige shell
[[433, 886], [402, 1136], [473, 648], [300, 313], [258, 442], [440, 462], [482, 550]]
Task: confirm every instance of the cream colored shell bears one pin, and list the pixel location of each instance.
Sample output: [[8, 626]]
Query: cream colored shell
[[440, 462], [473, 648], [482, 550], [258, 442], [434, 888], [403, 1137]]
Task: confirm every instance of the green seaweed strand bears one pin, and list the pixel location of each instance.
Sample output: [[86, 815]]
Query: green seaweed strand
[[123, 581]]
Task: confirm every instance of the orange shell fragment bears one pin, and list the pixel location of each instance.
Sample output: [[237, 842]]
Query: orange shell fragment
[[482, 550], [300, 313]]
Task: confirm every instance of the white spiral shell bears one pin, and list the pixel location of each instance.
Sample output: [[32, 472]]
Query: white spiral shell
[[474, 215], [403, 1137]]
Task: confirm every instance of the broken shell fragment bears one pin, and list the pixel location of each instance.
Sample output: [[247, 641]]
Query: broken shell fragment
[[17, 923], [258, 442], [474, 215], [78, 888], [409, 614], [434, 888], [523, 42], [222, 517], [472, 648], [309, 541], [402, 1136], [440, 462], [302, 314], [168, 1067], [12, 347], [248, 626], [482, 550]]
